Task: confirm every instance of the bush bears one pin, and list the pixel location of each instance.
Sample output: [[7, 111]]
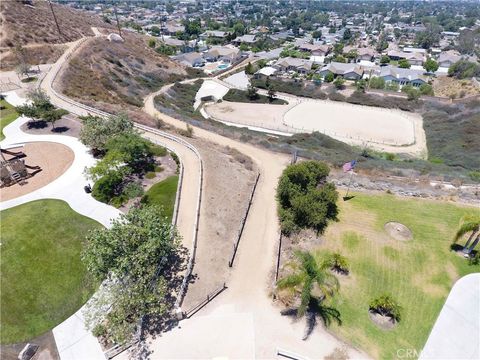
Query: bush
[[338, 263], [339, 83], [329, 77], [99, 330], [392, 86], [426, 89], [158, 150], [474, 175], [150, 175], [107, 187], [159, 169], [386, 306], [390, 156], [412, 93], [377, 83], [133, 190], [464, 69]]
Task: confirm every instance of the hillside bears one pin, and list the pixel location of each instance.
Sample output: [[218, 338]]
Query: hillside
[[116, 76], [23, 24]]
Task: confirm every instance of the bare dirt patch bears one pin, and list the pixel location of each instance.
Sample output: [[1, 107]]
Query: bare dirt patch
[[383, 322], [33, 55], [451, 87], [228, 180], [398, 231], [53, 158], [68, 125]]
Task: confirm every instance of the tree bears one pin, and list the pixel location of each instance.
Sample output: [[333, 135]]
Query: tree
[[271, 93], [347, 34], [23, 69], [136, 255], [469, 224], [361, 85], [404, 64], [252, 92], [306, 199], [314, 284], [39, 107], [131, 149], [53, 116], [96, 131], [339, 58], [377, 82], [329, 77], [430, 65], [239, 28], [317, 34], [428, 38], [385, 59], [249, 69], [339, 82], [464, 69], [385, 305]]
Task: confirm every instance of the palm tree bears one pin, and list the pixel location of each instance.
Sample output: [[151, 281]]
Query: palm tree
[[469, 224], [314, 283]]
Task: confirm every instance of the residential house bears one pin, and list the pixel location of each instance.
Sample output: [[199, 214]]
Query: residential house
[[315, 49], [412, 58], [301, 66], [448, 58], [265, 72], [192, 59], [245, 39], [402, 76], [215, 34], [173, 28], [347, 71], [223, 53]]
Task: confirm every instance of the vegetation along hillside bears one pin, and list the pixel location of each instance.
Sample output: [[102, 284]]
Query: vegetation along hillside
[[116, 76]]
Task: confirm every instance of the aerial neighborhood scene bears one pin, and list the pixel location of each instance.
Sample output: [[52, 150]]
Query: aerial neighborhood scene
[[239, 179]]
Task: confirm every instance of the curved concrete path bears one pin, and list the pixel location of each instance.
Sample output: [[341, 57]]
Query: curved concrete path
[[72, 339]]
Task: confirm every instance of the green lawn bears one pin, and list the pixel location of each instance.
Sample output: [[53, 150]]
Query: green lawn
[[418, 273], [163, 194], [43, 279], [7, 115]]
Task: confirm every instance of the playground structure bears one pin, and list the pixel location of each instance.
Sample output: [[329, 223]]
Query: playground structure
[[13, 169]]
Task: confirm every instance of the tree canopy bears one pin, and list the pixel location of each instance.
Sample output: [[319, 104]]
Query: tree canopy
[[135, 255], [306, 199]]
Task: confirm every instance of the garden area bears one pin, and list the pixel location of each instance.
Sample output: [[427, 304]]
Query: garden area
[[7, 115], [251, 96], [417, 273], [43, 279]]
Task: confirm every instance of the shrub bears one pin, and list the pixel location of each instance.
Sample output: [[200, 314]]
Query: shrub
[[412, 93], [133, 190], [339, 83], [464, 69], [329, 77], [188, 132], [99, 330], [107, 187], [426, 89], [385, 305], [377, 83], [158, 150], [159, 169], [390, 156], [474, 175], [475, 259], [150, 175], [338, 263], [392, 86]]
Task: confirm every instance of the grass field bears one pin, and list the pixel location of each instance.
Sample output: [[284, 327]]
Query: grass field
[[43, 279], [418, 273], [7, 115], [163, 194]]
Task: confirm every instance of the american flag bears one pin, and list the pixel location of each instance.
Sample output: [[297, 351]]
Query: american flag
[[349, 166]]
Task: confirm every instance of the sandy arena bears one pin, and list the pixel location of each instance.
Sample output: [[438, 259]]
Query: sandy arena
[[53, 158]]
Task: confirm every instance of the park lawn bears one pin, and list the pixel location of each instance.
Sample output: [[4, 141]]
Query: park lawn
[[7, 116], [418, 273], [43, 279], [163, 194]]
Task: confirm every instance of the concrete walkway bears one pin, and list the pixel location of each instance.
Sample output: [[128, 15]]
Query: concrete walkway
[[456, 333], [73, 340]]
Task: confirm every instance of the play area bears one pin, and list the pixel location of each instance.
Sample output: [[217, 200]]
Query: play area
[[31, 166]]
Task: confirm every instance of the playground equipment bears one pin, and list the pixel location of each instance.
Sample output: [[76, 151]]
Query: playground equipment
[[14, 170]]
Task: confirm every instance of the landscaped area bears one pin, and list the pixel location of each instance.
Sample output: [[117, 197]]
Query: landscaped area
[[417, 273], [43, 278], [7, 115], [163, 194]]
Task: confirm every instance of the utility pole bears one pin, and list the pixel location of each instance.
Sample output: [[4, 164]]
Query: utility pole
[[54, 17], [118, 23]]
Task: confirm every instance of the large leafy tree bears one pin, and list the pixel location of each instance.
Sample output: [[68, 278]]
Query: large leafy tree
[[306, 199], [96, 131], [470, 225], [313, 283], [134, 257]]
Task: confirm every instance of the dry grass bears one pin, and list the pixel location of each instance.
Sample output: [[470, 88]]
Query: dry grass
[[34, 55], [117, 76], [26, 25], [451, 87]]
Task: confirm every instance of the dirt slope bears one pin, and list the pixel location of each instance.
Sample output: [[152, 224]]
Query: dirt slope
[[23, 24]]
